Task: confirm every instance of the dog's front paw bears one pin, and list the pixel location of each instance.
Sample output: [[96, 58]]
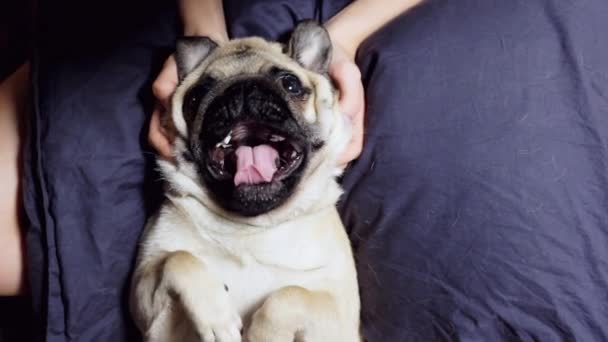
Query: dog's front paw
[[194, 319], [188, 304], [294, 313], [220, 326], [214, 317], [268, 326], [279, 319]]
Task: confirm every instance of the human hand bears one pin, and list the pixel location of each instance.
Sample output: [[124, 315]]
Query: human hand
[[162, 88], [200, 18], [347, 31], [347, 76]]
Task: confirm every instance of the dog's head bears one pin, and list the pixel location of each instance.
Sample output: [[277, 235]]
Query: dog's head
[[257, 130]]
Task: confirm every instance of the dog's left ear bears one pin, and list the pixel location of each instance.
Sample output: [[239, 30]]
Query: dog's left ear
[[190, 52], [310, 46]]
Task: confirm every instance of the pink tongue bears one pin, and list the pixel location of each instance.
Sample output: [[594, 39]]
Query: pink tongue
[[255, 165]]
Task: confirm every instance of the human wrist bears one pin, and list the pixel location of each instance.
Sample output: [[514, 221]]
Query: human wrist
[[343, 38], [348, 30], [216, 36], [204, 18], [216, 33]]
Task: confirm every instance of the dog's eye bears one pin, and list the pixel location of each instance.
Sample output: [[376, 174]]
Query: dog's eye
[[193, 101], [291, 84], [193, 97]]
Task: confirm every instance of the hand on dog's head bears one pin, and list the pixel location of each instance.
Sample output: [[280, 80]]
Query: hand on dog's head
[[256, 123]]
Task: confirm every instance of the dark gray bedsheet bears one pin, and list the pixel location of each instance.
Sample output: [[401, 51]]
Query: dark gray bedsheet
[[478, 209]]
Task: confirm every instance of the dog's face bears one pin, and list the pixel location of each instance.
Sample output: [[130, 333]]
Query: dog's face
[[255, 120]]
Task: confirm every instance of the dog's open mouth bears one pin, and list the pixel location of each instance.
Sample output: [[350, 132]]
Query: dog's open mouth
[[253, 153]]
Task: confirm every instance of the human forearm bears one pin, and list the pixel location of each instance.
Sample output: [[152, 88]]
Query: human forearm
[[13, 97], [203, 18], [360, 19]]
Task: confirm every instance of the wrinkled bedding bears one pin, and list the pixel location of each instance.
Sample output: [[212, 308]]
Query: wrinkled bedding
[[477, 211]]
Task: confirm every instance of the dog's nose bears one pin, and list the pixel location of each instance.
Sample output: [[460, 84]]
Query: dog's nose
[[256, 99]]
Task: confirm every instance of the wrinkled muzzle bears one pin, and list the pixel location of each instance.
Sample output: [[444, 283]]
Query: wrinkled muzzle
[[252, 148]]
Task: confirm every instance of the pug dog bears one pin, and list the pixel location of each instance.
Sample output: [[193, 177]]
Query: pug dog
[[248, 245]]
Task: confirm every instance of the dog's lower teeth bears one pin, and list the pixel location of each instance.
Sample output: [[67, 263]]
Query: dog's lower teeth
[[276, 138]]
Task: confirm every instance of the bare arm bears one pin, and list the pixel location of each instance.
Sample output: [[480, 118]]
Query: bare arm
[[13, 95], [204, 18], [347, 30], [360, 19]]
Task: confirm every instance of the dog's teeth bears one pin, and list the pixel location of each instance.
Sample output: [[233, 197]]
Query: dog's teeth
[[226, 142], [275, 138], [293, 154]]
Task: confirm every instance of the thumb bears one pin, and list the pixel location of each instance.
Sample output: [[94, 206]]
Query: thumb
[[166, 82], [348, 79]]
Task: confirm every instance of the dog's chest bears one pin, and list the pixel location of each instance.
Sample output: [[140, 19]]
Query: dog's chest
[[250, 283], [253, 267]]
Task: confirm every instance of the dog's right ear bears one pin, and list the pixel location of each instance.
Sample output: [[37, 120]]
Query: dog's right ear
[[190, 52]]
